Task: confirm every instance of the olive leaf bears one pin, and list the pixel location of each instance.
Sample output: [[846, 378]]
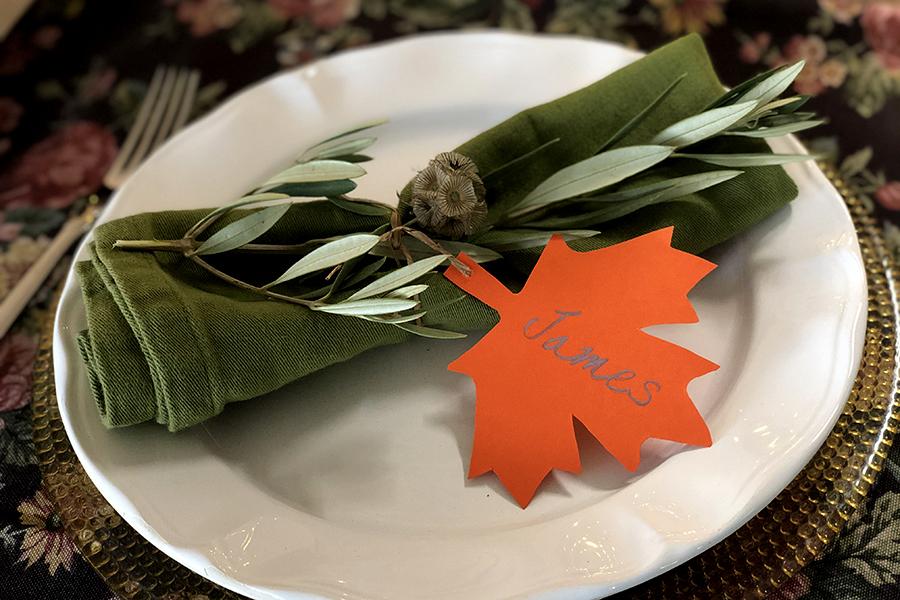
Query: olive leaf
[[775, 105], [447, 303], [244, 230], [369, 209], [779, 110], [764, 132], [397, 278], [772, 86], [685, 184], [605, 214], [365, 272], [673, 189], [245, 201], [591, 174], [520, 158], [329, 255], [343, 272], [699, 127], [796, 104], [779, 120], [431, 332], [335, 148], [504, 240], [636, 119], [318, 170], [355, 129], [251, 199], [747, 160], [419, 250], [367, 307], [354, 158], [691, 184], [408, 291], [477, 253], [395, 320], [316, 189], [731, 95], [344, 279]]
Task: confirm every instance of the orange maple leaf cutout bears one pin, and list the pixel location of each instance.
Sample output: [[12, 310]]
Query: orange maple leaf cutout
[[571, 345]]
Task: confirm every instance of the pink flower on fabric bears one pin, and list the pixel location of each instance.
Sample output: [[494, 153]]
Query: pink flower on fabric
[[324, 14], [888, 195], [97, 84], [63, 167], [689, 16], [44, 539], [820, 71], [881, 25], [208, 16], [832, 73], [9, 231], [794, 589], [810, 48], [752, 50], [842, 11], [17, 352]]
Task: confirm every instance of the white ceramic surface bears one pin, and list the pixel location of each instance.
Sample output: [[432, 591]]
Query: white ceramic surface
[[351, 483]]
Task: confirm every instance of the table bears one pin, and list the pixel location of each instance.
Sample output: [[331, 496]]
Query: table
[[10, 11], [73, 74]]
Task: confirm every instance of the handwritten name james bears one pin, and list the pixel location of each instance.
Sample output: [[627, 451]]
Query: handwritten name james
[[621, 382]]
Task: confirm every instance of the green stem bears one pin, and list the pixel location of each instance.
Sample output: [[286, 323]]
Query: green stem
[[422, 237], [182, 245], [244, 285], [205, 222], [281, 248], [366, 201], [524, 219], [201, 225], [639, 117], [519, 159]]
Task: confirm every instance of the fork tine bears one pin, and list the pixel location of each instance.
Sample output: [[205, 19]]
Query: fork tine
[[114, 175], [165, 95], [172, 104], [187, 102]]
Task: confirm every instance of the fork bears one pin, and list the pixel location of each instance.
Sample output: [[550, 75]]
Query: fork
[[164, 110]]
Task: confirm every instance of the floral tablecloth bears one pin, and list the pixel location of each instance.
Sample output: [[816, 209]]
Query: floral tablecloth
[[73, 72]]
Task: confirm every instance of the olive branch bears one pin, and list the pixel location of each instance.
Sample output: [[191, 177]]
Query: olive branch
[[351, 274]]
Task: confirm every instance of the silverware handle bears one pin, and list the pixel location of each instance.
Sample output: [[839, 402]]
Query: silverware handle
[[25, 289]]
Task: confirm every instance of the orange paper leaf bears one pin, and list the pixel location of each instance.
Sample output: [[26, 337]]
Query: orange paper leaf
[[570, 345]]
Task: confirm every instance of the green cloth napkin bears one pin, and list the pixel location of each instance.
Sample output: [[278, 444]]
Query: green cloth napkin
[[167, 343]]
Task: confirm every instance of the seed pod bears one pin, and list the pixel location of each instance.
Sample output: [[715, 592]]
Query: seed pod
[[448, 196]]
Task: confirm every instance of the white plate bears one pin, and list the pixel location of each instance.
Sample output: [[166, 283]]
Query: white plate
[[351, 483]]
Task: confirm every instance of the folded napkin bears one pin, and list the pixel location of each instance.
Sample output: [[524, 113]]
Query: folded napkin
[[167, 343]]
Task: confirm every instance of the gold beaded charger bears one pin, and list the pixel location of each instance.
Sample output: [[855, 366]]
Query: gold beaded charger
[[797, 526]]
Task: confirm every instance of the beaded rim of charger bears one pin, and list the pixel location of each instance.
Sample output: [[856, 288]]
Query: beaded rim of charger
[[796, 527]]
